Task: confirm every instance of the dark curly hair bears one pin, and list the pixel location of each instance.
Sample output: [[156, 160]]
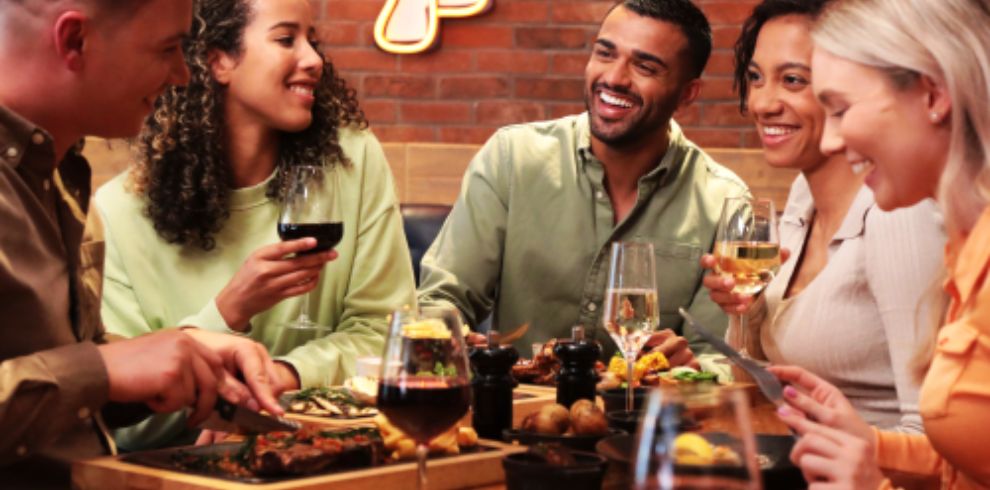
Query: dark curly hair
[[746, 44], [182, 170]]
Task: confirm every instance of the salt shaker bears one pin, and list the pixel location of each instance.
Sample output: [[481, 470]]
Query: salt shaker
[[577, 378]]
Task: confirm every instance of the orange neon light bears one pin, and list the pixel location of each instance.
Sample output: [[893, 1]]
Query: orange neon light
[[411, 26]]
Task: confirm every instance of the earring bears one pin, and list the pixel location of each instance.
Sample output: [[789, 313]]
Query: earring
[[935, 116]]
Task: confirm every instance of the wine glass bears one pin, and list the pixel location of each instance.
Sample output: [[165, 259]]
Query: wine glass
[[747, 249], [309, 209], [631, 313], [696, 437], [424, 387]]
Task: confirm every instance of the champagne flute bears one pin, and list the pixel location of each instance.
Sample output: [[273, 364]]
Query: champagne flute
[[309, 209], [747, 249], [696, 437], [631, 313], [424, 387]]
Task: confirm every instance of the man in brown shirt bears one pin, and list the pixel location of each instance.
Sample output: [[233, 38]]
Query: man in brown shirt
[[73, 68]]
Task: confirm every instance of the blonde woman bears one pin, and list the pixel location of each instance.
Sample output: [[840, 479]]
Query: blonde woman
[[911, 112]]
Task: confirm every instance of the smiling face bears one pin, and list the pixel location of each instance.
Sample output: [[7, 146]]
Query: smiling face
[[637, 77], [130, 61], [271, 81], [884, 130], [780, 100]]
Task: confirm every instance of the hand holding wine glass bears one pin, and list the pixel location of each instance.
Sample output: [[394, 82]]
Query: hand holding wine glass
[[424, 387], [309, 209], [747, 248], [631, 312]]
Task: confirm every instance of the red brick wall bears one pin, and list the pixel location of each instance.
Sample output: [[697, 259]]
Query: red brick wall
[[522, 61]]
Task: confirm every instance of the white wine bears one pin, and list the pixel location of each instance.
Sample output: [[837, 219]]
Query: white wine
[[631, 316], [751, 264]]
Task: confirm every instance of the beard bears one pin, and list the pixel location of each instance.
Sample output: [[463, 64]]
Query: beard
[[630, 130]]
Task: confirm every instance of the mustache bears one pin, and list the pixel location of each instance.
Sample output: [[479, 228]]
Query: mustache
[[624, 91]]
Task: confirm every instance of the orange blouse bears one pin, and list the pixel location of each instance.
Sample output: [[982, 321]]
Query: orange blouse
[[955, 396]]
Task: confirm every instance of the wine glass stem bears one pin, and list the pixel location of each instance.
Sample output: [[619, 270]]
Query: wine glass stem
[[743, 336], [304, 310], [421, 452], [629, 381]]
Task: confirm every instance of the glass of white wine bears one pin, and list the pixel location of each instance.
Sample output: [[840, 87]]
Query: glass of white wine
[[747, 249], [631, 312]]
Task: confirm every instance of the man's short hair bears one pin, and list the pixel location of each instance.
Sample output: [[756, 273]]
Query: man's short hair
[[119, 8], [689, 18]]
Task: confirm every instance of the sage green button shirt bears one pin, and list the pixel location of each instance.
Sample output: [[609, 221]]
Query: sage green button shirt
[[528, 238]]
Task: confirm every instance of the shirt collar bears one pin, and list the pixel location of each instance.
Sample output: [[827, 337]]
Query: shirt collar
[[967, 261], [248, 197], [668, 164], [20, 137], [854, 224], [800, 204]]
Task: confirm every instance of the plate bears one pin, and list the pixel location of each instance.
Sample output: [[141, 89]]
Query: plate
[[580, 443], [777, 472], [286, 399]]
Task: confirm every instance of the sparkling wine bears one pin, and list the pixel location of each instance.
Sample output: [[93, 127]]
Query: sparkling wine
[[751, 264], [632, 315]]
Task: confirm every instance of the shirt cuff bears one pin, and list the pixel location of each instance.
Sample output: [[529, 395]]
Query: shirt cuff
[[82, 377], [209, 318]]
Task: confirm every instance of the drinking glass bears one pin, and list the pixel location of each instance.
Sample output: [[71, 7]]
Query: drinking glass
[[696, 437], [747, 249], [309, 209], [631, 313], [424, 387]]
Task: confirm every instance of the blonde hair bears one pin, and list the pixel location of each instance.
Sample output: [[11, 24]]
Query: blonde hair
[[947, 41]]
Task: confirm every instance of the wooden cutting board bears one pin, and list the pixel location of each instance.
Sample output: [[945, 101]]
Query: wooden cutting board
[[461, 471]]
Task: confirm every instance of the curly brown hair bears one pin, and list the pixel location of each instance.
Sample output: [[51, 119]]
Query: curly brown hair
[[182, 170]]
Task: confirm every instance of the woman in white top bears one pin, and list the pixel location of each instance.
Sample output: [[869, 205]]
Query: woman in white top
[[846, 304]]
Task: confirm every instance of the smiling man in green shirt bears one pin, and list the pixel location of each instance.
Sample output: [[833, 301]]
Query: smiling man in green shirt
[[528, 239]]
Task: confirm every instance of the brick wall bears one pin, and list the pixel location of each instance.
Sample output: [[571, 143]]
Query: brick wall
[[522, 61]]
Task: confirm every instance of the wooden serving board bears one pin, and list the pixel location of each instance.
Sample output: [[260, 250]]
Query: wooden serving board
[[461, 471]]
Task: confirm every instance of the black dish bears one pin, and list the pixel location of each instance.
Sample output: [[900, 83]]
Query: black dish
[[629, 421], [615, 398], [579, 443], [525, 471], [777, 473]]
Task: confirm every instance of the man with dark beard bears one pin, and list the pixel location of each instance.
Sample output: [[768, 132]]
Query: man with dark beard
[[529, 236]]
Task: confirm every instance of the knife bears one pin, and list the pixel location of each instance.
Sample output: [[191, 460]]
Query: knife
[[765, 380], [227, 417]]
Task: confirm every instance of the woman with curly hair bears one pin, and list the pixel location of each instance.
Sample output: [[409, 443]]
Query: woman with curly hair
[[191, 229]]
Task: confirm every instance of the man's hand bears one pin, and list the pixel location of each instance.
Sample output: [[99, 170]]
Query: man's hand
[[268, 277], [674, 348], [169, 370], [250, 361]]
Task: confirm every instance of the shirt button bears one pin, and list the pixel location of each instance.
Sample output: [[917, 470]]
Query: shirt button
[[83, 413], [592, 306], [599, 194], [37, 138], [12, 152], [22, 450], [47, 184]]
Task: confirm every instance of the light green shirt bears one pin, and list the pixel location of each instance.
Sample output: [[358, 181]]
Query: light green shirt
[[528, 238], [150, 284]]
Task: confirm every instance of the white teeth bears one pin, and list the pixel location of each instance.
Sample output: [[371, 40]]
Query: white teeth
[[777, 130], [860, 167], [301, 89], [612, 100]]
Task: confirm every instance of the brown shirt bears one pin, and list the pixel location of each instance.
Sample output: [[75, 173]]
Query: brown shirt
[[52, 379]]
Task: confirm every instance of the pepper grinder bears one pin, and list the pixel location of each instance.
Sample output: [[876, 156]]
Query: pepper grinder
[[492, 386], [577, 378]]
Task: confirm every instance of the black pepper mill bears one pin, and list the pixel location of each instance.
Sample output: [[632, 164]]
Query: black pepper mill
[[492, 386], [577, 378]]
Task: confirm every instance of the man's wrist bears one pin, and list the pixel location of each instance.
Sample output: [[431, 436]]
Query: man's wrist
[[288, 378]]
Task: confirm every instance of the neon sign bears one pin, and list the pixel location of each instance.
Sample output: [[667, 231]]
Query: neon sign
[[411, 26]]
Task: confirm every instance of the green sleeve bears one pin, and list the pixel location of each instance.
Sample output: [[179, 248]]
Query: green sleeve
[[381, 281], [462, 266], [120, 309]]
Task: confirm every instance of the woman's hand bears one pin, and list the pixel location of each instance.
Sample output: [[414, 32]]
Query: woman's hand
[[268, 277], [720, 287], [830, 458], [815, 398]]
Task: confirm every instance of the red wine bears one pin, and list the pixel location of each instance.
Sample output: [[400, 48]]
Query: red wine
[[426, 410], [327, 235]]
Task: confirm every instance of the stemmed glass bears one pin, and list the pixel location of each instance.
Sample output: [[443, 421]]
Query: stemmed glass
[[631, 313], [696, 438], [424, 387], [309, 209], [747, 249]]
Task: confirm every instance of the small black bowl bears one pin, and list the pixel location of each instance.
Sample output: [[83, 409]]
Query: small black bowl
[[579, 443], [615, 398], [629, 421], [525, 471]]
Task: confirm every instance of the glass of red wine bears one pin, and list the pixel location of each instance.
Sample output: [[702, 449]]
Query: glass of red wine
[[309, 209], [424, 387]]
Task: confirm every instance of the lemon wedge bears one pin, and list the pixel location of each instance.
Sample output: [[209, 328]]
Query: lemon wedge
[[692, 449], [426, 329]]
